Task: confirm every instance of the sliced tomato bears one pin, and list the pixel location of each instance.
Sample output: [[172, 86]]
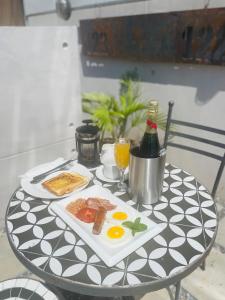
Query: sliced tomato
[[86, 214]]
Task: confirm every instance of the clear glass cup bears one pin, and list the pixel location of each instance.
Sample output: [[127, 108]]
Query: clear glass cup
[[122, 156]]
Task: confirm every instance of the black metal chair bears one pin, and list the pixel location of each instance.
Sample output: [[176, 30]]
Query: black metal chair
[[172, 133], [168, 142]]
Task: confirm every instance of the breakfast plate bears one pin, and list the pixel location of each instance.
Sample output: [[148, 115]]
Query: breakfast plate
[[118, 237], [37, 190]]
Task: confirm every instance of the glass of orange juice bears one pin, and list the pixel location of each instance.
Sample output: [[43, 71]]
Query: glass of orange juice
[[122, 156]]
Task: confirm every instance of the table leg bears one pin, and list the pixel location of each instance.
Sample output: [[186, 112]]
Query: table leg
[[177, 292], [202, 266]]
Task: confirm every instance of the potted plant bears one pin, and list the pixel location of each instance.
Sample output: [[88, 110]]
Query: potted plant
[[117, 117]]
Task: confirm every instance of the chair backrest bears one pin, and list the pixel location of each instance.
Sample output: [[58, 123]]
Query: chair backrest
[[170, 132]]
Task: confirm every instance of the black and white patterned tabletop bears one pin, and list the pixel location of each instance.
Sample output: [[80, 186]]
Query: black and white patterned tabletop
[[51, 250], [25, 288]]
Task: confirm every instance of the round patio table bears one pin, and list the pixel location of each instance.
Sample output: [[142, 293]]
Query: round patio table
[[55, 253]]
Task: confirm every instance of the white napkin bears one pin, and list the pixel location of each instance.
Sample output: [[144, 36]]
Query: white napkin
[[107, 155], [42, 168]]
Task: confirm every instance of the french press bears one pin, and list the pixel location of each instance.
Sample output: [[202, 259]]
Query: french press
[[88, 144]]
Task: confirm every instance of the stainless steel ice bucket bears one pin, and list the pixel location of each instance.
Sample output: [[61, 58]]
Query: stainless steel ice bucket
[[146, 177]]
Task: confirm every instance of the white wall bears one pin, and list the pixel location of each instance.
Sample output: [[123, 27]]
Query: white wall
[[40, 100]]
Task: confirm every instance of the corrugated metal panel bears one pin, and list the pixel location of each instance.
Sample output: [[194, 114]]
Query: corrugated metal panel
[[192, 36]]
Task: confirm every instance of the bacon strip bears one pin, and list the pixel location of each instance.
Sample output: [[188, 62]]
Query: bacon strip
[[100, 202], [95, 203], [74, 206]]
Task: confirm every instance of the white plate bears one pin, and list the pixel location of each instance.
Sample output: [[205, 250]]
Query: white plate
[[106, 249], [37, 190], [99, 173]]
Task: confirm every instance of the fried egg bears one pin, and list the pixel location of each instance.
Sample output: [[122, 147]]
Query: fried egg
[[117, 216], [115, 232], [114, 235]]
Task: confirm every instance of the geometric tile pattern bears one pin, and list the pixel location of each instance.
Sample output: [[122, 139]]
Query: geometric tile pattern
[[185, 209], [24, 288]]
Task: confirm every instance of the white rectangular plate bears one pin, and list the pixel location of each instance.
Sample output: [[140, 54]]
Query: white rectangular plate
[[110, 251]]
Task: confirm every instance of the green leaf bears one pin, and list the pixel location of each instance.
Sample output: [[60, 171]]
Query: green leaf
[[128, 224], [135, 226], [137, 221], [96, 97], [141, 227]]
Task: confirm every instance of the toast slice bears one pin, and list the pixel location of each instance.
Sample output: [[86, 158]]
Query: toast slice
[[64, 183]]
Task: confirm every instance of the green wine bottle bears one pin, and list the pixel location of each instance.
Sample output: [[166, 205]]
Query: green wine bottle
[[149, 146]]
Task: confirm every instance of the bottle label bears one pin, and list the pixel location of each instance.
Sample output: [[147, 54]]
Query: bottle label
[[151, 124]]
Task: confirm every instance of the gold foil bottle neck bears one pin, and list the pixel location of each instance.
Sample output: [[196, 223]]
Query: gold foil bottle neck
[[153, 107]]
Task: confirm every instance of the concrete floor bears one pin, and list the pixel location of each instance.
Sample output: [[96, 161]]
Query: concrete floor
[[200, 285]]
